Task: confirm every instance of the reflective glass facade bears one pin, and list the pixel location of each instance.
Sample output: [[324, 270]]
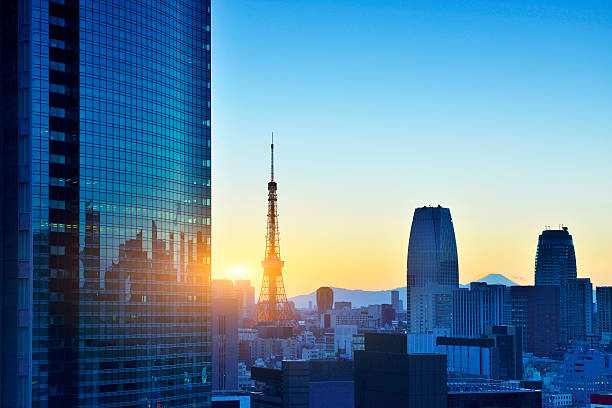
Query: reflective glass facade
[[555, 258], [432, 269], [105, 203]]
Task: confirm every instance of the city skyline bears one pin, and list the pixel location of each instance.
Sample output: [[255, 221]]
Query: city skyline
[[415, 147], [499, 112]]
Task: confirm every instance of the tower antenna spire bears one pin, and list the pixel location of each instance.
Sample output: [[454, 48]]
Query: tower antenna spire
[[272, 159], [272, 307]]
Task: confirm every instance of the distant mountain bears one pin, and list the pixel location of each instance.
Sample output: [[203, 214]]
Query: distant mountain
[[497, 279], [367, 297], [357, 297]]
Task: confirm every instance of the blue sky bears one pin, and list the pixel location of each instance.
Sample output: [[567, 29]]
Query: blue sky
[[501, 111]]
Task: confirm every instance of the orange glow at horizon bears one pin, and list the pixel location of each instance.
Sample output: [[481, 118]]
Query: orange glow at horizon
[[349, 255]]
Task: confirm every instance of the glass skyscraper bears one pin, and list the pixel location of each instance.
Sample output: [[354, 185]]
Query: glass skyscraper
[[556, 258], [105, 203], [433, 271], [555, 265]]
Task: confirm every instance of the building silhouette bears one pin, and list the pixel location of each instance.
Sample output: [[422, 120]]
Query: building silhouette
[[387, 314], [225, 318], [325, 299], [555, 258], [556, 265], [315, 384], [536, 310], [105, 203], [579, 309], [432, 270], [386, 376], [603, 295], [396, 302]]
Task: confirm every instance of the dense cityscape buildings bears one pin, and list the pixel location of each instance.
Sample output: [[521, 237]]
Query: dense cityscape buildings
[[105, 169], [432, 271], [501, 345], [105, 255]]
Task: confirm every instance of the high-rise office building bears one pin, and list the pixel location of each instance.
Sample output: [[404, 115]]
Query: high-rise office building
[[603, 295], [536, 310], [225, 317], [579, 309], [555, 258], [246, 294], [432, 271], [555, 265], [105, 203], [396, 302], [325, 299], [479, 307]]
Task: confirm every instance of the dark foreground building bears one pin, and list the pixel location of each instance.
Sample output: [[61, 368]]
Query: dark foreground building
[[304, 384], [497, 356], [536, 310], [494, 399], [385, 376], [105, 203]]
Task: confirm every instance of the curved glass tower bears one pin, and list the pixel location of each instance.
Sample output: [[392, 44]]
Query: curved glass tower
[[105, 209], [432, 271]]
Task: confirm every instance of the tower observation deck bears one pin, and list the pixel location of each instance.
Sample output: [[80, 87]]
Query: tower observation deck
[[272, 307]]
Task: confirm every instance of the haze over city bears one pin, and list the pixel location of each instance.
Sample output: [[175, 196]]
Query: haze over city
[[498, 111]]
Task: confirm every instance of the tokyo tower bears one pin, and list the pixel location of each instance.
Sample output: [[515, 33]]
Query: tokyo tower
[[272, 307]]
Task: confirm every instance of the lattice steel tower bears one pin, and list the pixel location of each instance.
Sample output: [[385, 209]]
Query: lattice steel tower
[[272, 307]]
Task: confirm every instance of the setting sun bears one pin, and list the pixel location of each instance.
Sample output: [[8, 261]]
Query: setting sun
[[238, 272]]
